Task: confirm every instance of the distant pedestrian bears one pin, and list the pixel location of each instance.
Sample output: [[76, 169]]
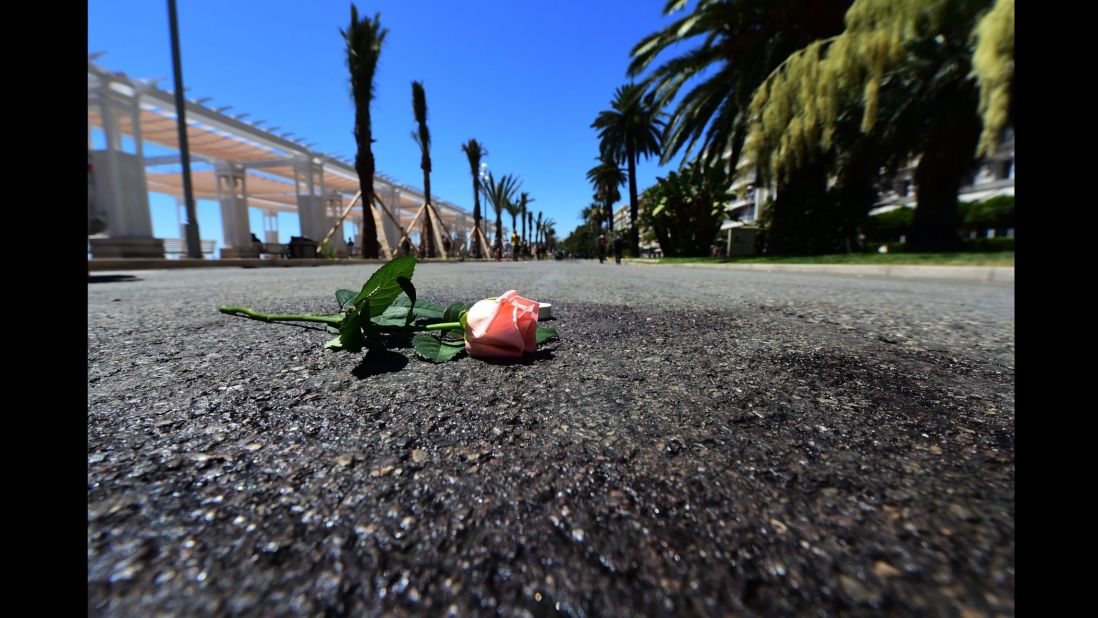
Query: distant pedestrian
[[618, 242], [602, 248], [351, 246]]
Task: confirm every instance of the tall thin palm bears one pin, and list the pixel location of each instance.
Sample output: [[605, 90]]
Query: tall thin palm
[[524, 201], [547, 231], [500, 194], [539, 223], [627, 131], [514, 209], [364, 39], [606, 177], [475, 151], [522, 215], [591, 215], [422, 137]]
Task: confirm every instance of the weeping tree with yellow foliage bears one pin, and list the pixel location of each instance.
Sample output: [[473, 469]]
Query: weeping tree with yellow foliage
[[929, 80]]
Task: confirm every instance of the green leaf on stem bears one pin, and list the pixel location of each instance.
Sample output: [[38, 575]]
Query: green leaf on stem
[[382, 288], [545, 334], [434, 350], [344, 298], [393, 316], [423, 310], [409, 291], [334, 344], [350, 332], [454, 311]]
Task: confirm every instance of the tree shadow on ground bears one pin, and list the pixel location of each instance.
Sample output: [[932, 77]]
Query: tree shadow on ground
[[111, 278], [376, 363]]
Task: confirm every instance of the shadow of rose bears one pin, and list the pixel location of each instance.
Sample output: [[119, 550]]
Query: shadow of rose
[[376, 363]]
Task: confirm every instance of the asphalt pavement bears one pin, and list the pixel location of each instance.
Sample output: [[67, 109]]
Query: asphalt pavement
[[699, 442]]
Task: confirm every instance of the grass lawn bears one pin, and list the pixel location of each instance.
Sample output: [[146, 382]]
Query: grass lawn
[[1002, 258]]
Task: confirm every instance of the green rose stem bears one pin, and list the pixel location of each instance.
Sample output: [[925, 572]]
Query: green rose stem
[[334, 320]]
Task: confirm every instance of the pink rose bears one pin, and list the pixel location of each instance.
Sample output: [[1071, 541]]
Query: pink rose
[[505, 327]]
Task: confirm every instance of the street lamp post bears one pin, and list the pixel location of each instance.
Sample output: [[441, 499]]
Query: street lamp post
[[194, 249]]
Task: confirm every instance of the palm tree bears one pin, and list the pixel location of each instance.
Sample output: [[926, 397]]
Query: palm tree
[[514, 209], [524, 201], [736, 45], [592, 215], [522, 215], [548, 232], [543, 228], [538, 228], [630, 129], [422, 137], [530, 221], [475, 151], [500, 195], [606, 177], [364, 39]]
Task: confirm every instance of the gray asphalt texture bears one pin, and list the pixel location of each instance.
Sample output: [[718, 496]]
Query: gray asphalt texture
[[699, 442]]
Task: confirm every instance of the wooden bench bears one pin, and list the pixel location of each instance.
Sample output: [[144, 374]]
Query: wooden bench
[[178, 246]]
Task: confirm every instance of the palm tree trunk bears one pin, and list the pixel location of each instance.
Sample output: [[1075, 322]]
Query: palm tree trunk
[[514, 248], [476, 215], [499, 230], [428, 241], [364, 166], [634, 231]]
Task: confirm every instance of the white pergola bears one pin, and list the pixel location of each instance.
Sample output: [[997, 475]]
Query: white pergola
[[236, 163]]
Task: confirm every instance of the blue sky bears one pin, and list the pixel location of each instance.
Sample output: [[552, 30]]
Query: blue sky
[[524, 78]]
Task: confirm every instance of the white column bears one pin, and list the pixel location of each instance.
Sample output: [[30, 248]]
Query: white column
[[181, 216], [310, 206], [333, 207], [120, 184], [390, 196], [270, 226], [233, 195]]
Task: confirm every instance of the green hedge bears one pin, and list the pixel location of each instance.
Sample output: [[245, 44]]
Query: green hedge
[[988, 245]]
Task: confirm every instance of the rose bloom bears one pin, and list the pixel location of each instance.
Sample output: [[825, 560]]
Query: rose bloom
[[505, 327]]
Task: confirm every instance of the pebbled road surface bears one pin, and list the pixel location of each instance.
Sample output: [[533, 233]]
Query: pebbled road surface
[[700, 442]]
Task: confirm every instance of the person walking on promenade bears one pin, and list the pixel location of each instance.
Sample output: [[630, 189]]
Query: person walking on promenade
[[618, 242], [602, 248]]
